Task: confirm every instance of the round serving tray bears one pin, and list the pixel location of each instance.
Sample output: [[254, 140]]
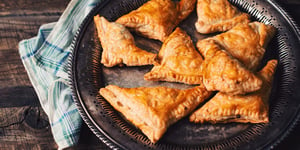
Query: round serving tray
[[89, 75]]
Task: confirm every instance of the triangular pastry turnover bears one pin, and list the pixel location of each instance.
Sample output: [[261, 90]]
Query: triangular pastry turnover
[[218, 15], [156, 19], [221, 72], [154, 109], [118, 45], [245, 42], [179, 61], [252, 107]]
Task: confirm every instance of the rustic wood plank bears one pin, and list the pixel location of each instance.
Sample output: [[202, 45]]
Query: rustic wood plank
[[24, 127], [20, 20], [23, 123], [12, 72], [38, 5], [19, 96]]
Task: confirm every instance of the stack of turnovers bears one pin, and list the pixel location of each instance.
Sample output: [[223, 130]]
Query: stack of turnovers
[[225, 65]]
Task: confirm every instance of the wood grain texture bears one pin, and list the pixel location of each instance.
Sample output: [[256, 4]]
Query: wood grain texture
[[25, 127], [23, 123]]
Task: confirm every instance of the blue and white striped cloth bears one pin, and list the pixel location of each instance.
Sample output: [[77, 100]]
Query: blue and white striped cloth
[[44, 58]]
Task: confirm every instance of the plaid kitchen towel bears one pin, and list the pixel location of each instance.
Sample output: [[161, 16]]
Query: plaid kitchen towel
[[45, 59]]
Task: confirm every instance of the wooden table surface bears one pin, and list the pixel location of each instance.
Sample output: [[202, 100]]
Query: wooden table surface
[[23, 123]]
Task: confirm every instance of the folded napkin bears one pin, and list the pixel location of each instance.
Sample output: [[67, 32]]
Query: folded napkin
[[45, 59]]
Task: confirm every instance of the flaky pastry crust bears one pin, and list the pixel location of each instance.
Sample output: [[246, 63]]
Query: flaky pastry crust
[[221, 72], [245, 42], [118, 45], [252, 107], [179, 61], [218, 16], [156, 19], [154, 109]]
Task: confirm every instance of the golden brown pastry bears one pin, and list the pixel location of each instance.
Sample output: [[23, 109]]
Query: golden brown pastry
[[154, 109], [218, 15], [221, 72], [118, 45], [252, 107], [245, 42], [156, 19], [179, 61]]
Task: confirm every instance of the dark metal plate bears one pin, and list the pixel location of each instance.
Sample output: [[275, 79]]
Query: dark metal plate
[[88, 76]]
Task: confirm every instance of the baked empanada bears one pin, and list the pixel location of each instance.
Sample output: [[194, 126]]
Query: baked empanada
[[252, 107], [156, 19], [245, 42], [154, 109], [179, 61], [218, 15], [118, 45], [221, 72]]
